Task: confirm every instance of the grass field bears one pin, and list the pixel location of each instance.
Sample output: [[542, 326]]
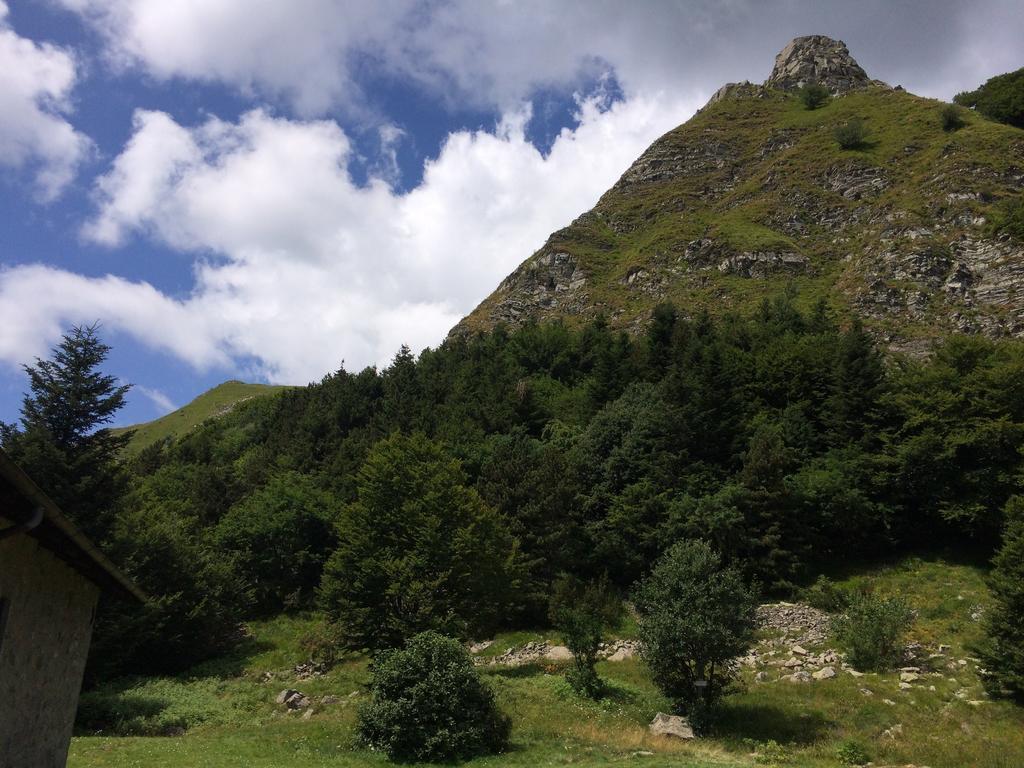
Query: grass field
[[223, 713], [208, 405]]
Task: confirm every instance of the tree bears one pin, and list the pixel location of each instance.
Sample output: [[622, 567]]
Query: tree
[[695, 615], [279, 538], [429, 705], [63, 444], [418, 550], [1003, 651], [1001, 98], [813, 95], [582, 613]]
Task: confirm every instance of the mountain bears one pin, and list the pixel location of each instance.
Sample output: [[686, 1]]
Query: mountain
[[754, 195], [209, 405]]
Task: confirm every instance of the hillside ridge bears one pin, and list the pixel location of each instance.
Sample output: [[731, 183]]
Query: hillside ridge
[[753, 195]]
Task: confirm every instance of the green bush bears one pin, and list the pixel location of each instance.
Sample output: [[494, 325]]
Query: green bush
[[1008, 218], [826, 595], [694, 615], [952, 118], [582, 612], [871, 630], [851, 752], [429, 704], [852, 134], [813, 95], [324, 642], [1001, 98], [418, 550], [1003, 651]]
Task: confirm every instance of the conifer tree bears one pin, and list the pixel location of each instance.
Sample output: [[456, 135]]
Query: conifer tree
[[1003, 652], [63, 443]]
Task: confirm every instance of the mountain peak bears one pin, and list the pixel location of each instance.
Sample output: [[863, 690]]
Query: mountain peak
[[817, 59]]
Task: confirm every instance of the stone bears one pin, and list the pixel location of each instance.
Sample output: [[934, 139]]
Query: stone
[[329, 699], [817, 59], [481, 646], [867, 692], [905, 686], [761, 677], [798, 650], [671, 725], [945, 648], [890, 702], [793, 662], [855, 673], [558, 653], [293, 699], [308, 714], [825, 673], [894, 732], [798, 677], [909, 677]]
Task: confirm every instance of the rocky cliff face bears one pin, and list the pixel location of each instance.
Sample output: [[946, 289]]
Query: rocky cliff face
[[754, 195]]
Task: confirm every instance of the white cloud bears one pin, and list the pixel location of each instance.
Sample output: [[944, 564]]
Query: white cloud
[[35, 85], [312, 53], [297, 266], [38, 303], [161, 401]]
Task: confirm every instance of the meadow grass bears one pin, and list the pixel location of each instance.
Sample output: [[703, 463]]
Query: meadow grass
[[223, 713]]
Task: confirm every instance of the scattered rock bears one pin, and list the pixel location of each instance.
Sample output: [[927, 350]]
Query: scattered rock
[[894, 732], [308, 713], [671, 725], [890, 702], [481, 646], [328, 700], [825, 673], [866, 692], [798, 650], [293, 699], [909, 677], [798, 677]]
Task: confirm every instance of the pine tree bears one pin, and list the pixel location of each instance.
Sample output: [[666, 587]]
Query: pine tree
[[64, 444], [1003, 652]]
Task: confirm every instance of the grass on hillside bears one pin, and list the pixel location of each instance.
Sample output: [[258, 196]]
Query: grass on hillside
[[226, 707], [215, 402]]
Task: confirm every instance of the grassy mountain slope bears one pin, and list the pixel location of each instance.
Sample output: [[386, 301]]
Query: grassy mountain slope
[[754, 194], [209, 405], [222, 713]]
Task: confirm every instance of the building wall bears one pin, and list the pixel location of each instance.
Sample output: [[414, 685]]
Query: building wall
[[50, 610]]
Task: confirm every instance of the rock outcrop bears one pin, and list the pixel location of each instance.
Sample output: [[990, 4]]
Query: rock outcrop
[[817, 59]]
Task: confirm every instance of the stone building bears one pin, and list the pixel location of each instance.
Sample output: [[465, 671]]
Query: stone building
[[51, 577]]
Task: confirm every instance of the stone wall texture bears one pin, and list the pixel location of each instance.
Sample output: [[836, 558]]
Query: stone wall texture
[[50, 610]]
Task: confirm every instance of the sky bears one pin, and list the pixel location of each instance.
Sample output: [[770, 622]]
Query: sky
[[270, 191]]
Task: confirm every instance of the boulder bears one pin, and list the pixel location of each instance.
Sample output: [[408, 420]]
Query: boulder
[[293, 699], [558, 653], [824, 673], [671, 725]]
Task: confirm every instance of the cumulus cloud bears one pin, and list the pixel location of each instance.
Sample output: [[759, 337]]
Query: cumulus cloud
[[493, 52], [300, 268], [35, 85]]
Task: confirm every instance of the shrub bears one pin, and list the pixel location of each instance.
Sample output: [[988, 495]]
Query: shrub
[[826, 595], [1008, 219], [851, 752], [1002, 653], [1001, 98], [871, 630], [582, 612], [418, 550], [813, 95], [324, 643], [429, 704], [695, 616], [952, 119], [851, 134]]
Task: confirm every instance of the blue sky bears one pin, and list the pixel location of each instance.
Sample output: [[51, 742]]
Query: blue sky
[[264, 190]]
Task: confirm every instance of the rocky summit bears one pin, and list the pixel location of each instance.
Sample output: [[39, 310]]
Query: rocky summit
[[754, 195]]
